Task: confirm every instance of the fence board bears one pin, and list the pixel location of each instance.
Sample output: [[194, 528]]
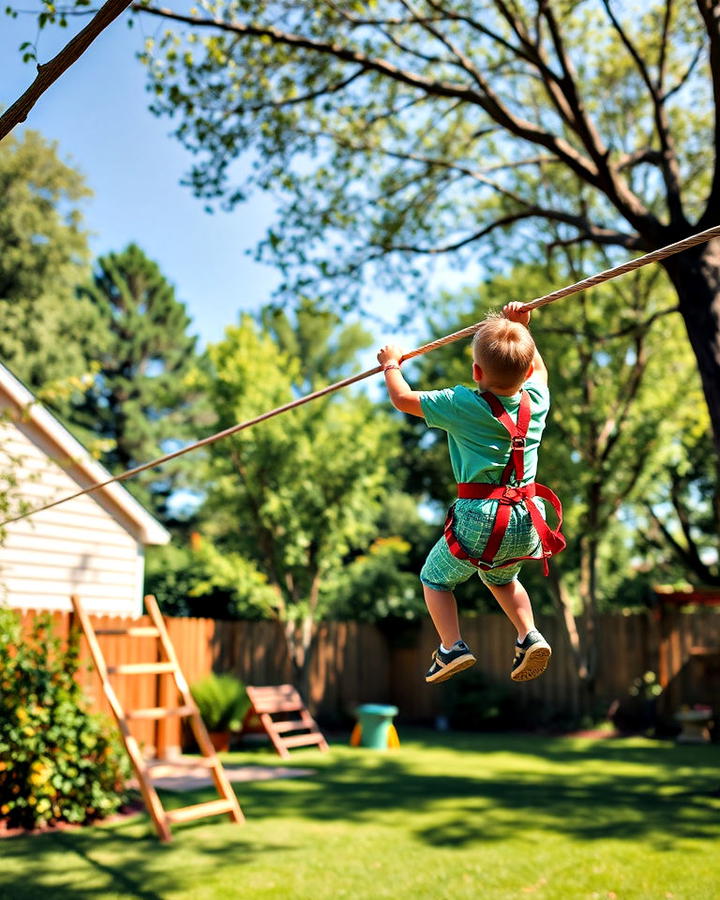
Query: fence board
[[357, 663]]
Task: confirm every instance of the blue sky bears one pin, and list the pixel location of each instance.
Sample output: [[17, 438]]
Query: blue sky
[[97, 112]]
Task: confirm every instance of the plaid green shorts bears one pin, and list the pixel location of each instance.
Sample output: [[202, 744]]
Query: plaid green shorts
[[473, 522]]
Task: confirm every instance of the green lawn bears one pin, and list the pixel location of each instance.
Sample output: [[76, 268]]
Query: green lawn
[[447, 816]]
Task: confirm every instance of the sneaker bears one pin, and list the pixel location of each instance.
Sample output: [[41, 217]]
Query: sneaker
[[445, 665], [531, 657]]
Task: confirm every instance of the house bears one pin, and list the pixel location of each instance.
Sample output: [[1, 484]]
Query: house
[[93, 545]]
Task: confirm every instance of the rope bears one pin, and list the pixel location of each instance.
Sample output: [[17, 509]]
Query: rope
[[594, 280]]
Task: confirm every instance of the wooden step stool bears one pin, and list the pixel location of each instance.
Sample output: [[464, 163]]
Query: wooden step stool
[[280, 710]]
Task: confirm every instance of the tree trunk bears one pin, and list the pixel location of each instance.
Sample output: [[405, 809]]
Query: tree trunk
[[300, 637], [564, 605], [695, 275]]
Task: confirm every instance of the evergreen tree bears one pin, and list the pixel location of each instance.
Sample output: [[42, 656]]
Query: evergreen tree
[[141, 401]]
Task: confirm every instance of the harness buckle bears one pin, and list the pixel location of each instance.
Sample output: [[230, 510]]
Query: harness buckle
[[511, 495], [517, 443]]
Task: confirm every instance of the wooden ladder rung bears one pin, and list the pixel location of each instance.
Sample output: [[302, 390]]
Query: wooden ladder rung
[[301, 740], [279, 706], [199, 811], [159, 712], [132, 631], [157, 668], [291, 725]]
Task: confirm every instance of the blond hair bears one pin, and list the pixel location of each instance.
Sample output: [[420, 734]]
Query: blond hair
[[504, 350]]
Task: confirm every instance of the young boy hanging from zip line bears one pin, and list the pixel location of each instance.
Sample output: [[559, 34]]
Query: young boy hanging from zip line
[[495, 524]]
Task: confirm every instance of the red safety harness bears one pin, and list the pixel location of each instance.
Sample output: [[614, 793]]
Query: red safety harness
[[551, 540]]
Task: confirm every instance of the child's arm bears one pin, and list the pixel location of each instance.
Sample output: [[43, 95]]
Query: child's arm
[[402, 396], [513, 312]]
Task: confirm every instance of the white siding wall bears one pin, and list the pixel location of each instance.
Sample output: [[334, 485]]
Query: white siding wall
[[78, 547]]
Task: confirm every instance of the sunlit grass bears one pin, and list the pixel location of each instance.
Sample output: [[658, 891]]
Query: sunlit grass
[[468, 816]]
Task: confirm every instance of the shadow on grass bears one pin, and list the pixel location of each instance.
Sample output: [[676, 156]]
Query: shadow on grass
[[123, 860], [451, 790], [608, 789]]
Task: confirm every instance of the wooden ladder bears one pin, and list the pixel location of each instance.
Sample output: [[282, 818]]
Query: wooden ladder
[[161, 817]]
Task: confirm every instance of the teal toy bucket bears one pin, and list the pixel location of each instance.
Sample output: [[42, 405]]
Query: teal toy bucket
[[375, 722]]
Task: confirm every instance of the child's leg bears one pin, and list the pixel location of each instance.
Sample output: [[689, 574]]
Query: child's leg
[[532, 651], [515, 602], [443, 612], [441, 572]]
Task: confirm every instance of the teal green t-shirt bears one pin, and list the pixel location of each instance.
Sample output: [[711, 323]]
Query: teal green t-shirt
[[479, 444]]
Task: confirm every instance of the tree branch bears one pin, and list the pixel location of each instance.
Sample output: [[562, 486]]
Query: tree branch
[[670, 168], [48, 73], [688, 555], [605, 237], [483, 97], [708, 11], [392, 21], [614, 426], [637, 157], [688, 72], [616, 189], [462, 60], [325, 91], [667, 18], [530, 212]]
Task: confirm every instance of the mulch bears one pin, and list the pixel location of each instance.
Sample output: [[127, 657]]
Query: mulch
[[130, 809], [173, 778]]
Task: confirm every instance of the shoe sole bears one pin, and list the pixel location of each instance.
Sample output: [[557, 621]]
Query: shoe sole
[[452, 668], [534, 663]]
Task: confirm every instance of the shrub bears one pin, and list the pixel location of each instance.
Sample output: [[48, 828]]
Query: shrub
[[58, 762], [479, 702], [222, 702]]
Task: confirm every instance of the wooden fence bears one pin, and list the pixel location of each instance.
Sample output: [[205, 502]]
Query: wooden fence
[[359, 663]]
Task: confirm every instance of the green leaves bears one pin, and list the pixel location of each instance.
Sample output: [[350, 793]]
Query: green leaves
[[297, 493], [47, 333], [222, 701], [391, 138], [57, 761]]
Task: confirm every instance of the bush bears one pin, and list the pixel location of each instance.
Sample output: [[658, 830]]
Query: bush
[[58, 762], [479, 702], [222, 702]]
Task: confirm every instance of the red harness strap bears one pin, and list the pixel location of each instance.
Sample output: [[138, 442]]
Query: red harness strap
[[551, 539]]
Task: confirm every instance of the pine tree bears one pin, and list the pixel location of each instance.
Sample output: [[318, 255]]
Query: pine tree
[[141, 400]]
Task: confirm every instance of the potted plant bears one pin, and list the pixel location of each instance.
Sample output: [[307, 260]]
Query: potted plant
[[222, 702]]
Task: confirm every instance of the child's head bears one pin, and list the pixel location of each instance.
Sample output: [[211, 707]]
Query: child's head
[[504, 350]]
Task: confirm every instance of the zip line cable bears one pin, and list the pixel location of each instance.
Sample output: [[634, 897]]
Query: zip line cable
[[586, 283]]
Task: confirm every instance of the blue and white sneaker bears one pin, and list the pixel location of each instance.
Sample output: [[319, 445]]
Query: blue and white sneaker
[[531, 657], [445, 665]]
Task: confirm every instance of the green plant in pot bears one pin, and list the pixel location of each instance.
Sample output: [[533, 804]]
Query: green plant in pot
[[222, 702]]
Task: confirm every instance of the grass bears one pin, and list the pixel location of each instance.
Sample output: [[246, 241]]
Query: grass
[[486, 817]]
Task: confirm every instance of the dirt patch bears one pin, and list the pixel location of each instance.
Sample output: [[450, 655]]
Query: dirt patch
[[184, 777]]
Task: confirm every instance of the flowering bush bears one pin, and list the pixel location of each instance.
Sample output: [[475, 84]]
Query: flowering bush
[[58, 762]]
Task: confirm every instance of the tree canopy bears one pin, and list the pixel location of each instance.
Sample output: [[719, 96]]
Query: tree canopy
[[301, 493], [398, 132], [47, 332]]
